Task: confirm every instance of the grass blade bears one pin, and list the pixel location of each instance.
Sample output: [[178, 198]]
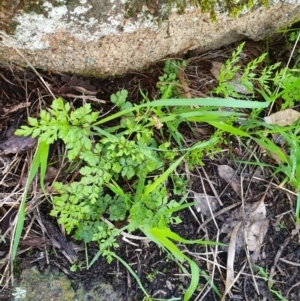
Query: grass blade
[[170, 234], [161, 239], [162, 178], [131, 271], [39, 160], [209, 281], [217, 102], [194, 280], [228, 128]]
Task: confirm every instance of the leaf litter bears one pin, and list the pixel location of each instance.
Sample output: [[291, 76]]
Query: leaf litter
[[245, 228], [228, 174], [283, 118], [206, 204], [253, 228]]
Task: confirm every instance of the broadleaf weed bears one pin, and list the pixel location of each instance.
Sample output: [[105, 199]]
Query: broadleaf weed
[[126, 153]]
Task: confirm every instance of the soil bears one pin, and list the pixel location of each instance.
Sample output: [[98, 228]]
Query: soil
[[279, 254]]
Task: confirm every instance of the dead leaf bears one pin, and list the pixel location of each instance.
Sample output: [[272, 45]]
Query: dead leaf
[[273, 155], [205, 203], [16, 144], [36, 242], [255, 236], [255, 211], [283, 118], [157, 123], [228, 174], [215, 69], [254, 229], [203, 130], [245, 227], [230, 259]]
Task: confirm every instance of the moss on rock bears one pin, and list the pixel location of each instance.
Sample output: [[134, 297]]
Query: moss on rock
[[162, 8], [50, 285]]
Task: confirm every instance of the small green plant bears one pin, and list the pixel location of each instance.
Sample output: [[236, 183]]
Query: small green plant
[[288, 81], [234, 81], [116, 154], [76, 266], [291, 168], [2, 238], [282, 225], [293, 35], [151, 276], [232, 76], [169, 84]]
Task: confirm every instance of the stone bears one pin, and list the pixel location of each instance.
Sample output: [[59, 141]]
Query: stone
[[51, 284], [112, 37]]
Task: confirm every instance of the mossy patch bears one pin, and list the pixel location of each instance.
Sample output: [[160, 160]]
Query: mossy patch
[[161, 9], [49, 285], [33, 6]]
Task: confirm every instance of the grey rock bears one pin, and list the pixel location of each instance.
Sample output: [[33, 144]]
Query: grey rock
[[101, 38]]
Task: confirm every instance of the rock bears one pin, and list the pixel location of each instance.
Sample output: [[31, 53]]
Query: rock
[[53, 285], [50, 285], [111, 37]]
